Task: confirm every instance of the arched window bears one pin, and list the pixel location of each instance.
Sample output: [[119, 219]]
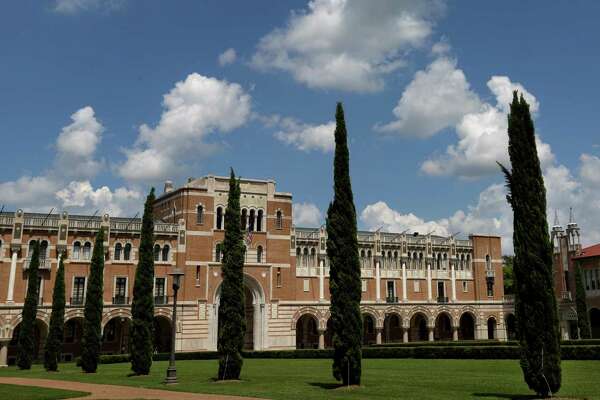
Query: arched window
[[76, 250], [244, 219], [251, 221], [219, 217], [279, 220], [200, 215], [87, 250], [156, 252], [305, 258], [165, 252], [127, 252], [259, 254], [313, 257], [462, 262], [219, 252], [118, 250], [439, 261], [43, 249], [420, 260], [468, 262], [488, 262], [259, 219], [445, 261]]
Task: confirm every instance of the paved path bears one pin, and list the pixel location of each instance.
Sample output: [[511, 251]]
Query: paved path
[[116, 392]]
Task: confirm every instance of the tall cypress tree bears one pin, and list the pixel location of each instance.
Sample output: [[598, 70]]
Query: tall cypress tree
[[92, 316], [232, 322], [142, 308], [26, 344], [535, 304], [344, 278], [583, 321], [57, 321]]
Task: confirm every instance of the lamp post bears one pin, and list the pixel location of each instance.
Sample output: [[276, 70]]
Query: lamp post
[[171, 370]]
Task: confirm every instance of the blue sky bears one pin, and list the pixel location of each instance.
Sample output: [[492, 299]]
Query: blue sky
[[101, 99]]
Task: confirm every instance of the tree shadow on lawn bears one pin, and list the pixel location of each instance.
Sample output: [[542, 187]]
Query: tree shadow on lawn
[[333, 386], [519, 396]]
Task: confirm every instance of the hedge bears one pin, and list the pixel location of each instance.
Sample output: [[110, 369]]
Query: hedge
[[487, 352]]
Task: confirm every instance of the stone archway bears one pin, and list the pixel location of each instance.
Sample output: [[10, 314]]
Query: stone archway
[[40, 333], [466, 327], [443, 327], [369, 329], [418, 328], [72, 334], [256, 324], [162, 334], [392, 328], [307, 334], [511, 327], [491, 328], [115, 336]]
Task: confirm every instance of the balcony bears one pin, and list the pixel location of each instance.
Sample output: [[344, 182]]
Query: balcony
[[44, 264], [391, 299], [119, 299], [161, 300], [442, 299], [77, 301]]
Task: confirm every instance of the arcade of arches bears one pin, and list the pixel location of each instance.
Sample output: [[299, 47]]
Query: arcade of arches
[[419, 329]]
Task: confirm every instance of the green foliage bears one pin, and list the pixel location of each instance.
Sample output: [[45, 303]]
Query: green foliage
[[232, 322], [142, 308], [535, 304], [344, 279], [25, 344], [92, 318], [508, 273], [583, 321], [57, 321]]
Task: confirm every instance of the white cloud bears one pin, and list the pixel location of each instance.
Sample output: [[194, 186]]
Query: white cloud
[[347, 44], [71, 7], [435, 99], [590, 169], [81, 197], [380, 215], [227, 57], [29, 193], [193, 109], [307, 214], [307, 137], [483, 138]]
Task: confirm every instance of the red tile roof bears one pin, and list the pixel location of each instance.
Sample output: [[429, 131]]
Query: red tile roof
[[591, 251]]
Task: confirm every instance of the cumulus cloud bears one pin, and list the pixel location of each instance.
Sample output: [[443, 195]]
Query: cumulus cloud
[[193, 109], [71, 7], [307, 214], [227, 57], [347, 44], [80, 196], [437, 98], [307, 137], [482, 137]]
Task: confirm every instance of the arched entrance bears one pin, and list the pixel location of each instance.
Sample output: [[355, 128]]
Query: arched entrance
[[443, 328], [307, 334], [255, 315], [369, 334], [511, 327], [595, 323], [162, 334], [392, 328], [418, 328], [466, 327], [72, 334], [491, 328], [115, 336], [40, 332]]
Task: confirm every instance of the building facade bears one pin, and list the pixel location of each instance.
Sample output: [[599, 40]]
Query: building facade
[[415, 287]]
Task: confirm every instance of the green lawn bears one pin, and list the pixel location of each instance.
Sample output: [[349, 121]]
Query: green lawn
[[311, 379], [18, 392]]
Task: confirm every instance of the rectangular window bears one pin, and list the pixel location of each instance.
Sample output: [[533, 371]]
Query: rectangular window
[[197, 275], [78, 292], [160, 294], [306, 285], [278, 277], [120, 290], [440, 290], [490, 288], [465, 286], [364, 285], [416, 286], [391, 290]]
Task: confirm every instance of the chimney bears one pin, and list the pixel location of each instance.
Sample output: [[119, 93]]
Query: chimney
[[168, 186]]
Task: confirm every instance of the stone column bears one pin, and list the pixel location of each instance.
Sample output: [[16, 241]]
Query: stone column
[[321, 339], [12, 276], [404, 284], [453, 276], [377, 282], [430, 329], [405, 335], [321, 280], [4, 353], [378, 337], [455, 333], [429, 282]]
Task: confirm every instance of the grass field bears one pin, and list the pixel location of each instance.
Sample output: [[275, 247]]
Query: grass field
[[17, 392], [311, 379]]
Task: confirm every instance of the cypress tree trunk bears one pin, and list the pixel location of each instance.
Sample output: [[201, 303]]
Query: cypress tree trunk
[[92, 318], [142, 308], [57, 321], [535, 304], [344, 279], [232, 321], [26, 344], [583, 321]]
